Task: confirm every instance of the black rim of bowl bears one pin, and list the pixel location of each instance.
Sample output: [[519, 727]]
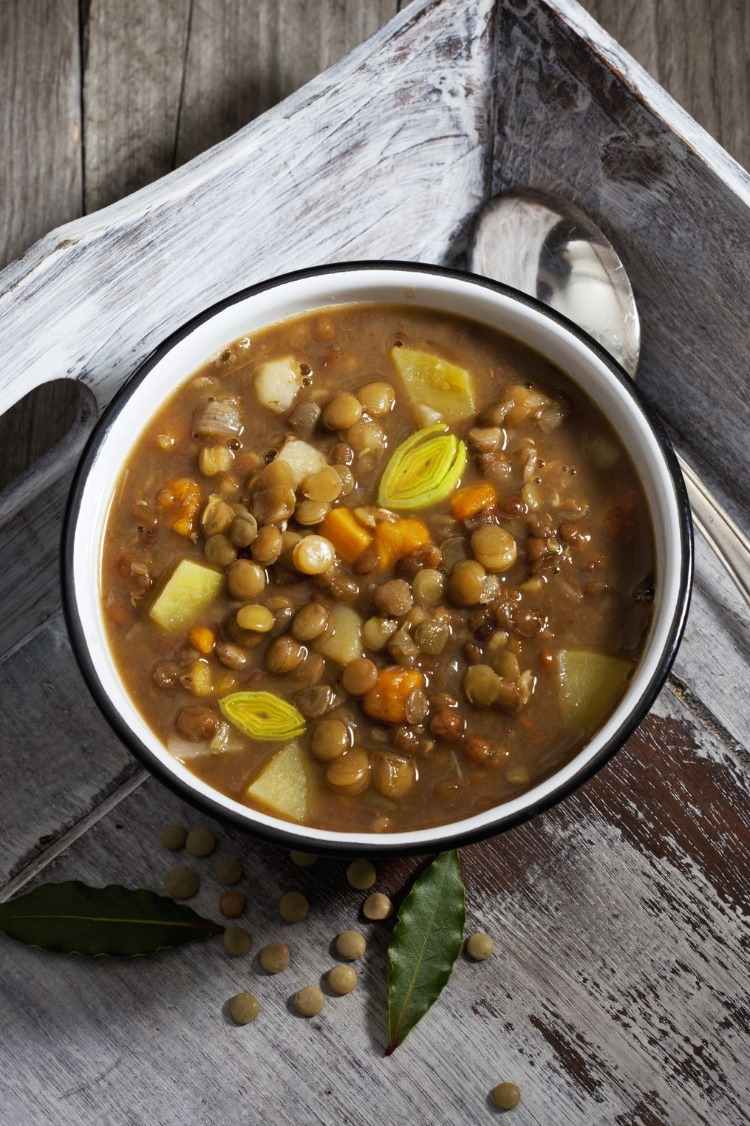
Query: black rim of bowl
[[293, 836]]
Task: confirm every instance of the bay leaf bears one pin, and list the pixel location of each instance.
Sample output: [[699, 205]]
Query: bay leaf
[[425, 943], [72, 918]]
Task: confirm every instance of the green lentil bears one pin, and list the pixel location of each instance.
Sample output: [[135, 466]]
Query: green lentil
[[342, 979], [361, 874], [377, 906], [309, 1001], [479, 946], [243, 1008], [200, 841], [350, 945], [293, 907], [232, 904], [506, 1096], [274, 957], [181, 882]]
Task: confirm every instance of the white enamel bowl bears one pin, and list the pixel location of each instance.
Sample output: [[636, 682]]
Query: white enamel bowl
[[394, 283]]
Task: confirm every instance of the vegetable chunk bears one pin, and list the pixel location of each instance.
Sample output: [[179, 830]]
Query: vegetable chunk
[[277, 384], [190, 590], [302, 458], [435, 383], [590, 686], [283, 785]]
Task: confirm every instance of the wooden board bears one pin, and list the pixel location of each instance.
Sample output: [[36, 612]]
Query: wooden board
[[618, 992]]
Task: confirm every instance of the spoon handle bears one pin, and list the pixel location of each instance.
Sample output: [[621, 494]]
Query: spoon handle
[[730, 545]]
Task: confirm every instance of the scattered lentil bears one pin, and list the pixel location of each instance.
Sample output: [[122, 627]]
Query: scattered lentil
[[342, 979], [243, 1008], [377, 906], [293, 907], [200, 841], [309, 1001], [232, 904], [181, 882], [350, 945], [274, 958], [479, 946], [361, 874]]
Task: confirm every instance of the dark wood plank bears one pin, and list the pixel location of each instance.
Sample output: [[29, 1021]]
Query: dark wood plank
[[243, 58], [40, 180], [698, 50], [132, 80]]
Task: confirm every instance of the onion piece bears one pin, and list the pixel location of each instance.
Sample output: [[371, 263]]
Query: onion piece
[[218, 418], [184, 749]]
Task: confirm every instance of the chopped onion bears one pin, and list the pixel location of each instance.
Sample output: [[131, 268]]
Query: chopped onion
[[218, 418]]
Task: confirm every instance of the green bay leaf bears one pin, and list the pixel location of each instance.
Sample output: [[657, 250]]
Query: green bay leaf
[[426, 941], [72, 918]]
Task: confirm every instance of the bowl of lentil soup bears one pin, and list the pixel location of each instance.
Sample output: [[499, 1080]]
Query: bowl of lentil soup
[[384, 557]]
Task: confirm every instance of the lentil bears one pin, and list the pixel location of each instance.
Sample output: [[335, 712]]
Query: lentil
[[243, 1008]]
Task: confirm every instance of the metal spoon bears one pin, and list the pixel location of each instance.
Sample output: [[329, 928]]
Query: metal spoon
[[550, 249]]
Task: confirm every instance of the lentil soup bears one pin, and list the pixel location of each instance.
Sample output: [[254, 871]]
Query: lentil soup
[[377, 569]]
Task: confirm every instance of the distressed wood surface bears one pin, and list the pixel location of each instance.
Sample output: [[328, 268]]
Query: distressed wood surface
[[618, 994]]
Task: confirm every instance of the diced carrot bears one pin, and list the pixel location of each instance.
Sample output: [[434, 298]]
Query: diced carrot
[[203, 639], [398, 538], [472, 499], [180, 499], [386, 702], [346, 534]]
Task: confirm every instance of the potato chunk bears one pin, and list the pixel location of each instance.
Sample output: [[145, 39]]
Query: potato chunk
[[190, 590], [302, 458], [435, 383], [283, 785], [277, 384], [591, 684]]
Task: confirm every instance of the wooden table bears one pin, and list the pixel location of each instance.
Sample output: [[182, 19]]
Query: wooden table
[[619, 991]]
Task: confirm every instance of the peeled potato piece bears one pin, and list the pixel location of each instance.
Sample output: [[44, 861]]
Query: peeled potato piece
[[435, 383], [591, 685], [277, 384], [283, 785], [190, 590]]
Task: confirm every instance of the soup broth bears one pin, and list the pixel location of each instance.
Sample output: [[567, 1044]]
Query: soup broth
[[376, 569]]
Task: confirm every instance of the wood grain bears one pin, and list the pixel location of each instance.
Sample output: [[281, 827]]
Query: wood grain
[[242, 59], [698, 50], [132, 83], [40, 179]]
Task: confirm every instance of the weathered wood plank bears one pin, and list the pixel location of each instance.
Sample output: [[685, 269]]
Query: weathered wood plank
[[58, 759], [132, 82], [40, 179], [242, 59], [647, 181], [601, 1003], [698, 50]]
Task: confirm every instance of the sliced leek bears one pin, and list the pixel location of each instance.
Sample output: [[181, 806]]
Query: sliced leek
[[423, 470], [263, 716]]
